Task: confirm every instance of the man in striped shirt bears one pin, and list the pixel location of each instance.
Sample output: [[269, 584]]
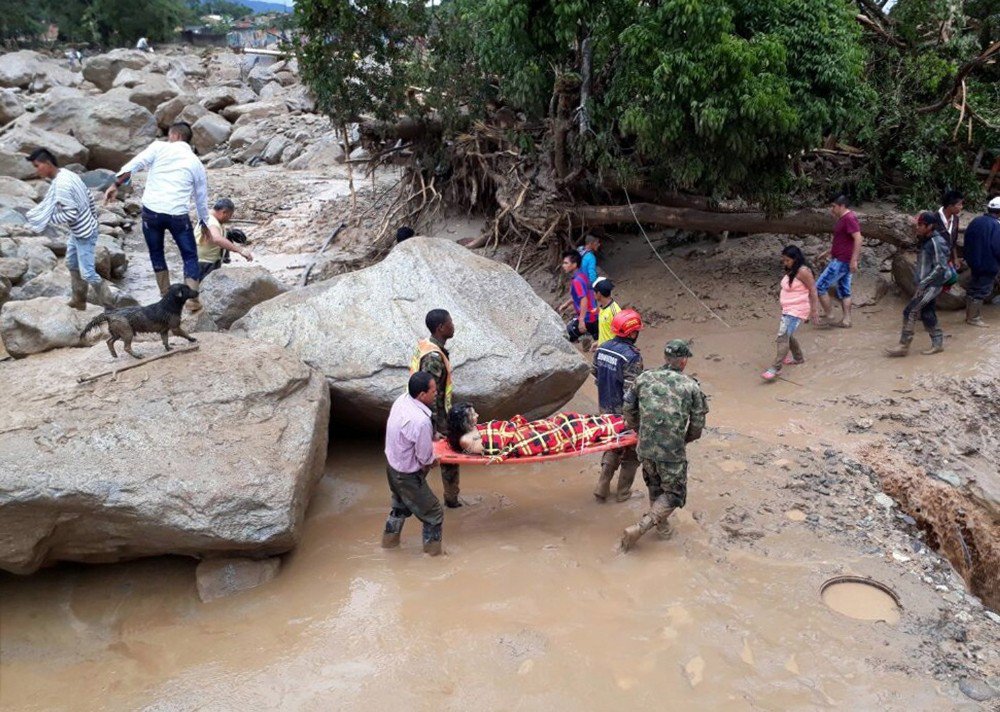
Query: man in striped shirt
[[69, 202]]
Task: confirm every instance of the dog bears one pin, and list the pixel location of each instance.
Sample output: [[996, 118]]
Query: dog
[[162, 317]]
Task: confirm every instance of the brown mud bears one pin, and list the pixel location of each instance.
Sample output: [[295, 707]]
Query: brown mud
[[531, 608]]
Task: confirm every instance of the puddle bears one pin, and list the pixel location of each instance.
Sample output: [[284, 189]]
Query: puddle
[[861, 599]]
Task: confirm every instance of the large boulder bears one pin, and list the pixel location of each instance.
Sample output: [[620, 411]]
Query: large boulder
[[209, 131], [243, 137], [229, 293], [510, 352], [10, 106], [27, 69], [217, 98], [25, 139], [13, 269], [16, 165], [56, 283], [112, 130], [102, 69], [242, 114], [167, 112], [903, 274], [168, 458], [145, 89], [36, 325], [39, 256], [323, 153]]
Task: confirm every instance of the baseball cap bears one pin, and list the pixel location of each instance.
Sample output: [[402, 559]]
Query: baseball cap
[[994, 204], [603, 286], [677, 348]]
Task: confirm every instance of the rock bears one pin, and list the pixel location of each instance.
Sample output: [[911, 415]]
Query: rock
[[242, 114], [884, 500], [285, 78], [13, 269], [218, 578], [110, 258], [16, 165], [272, 90], [168, 458], [243, 136], [229, 293], [976, 689], [112, 130], [360, 154], [56, 283], [31, 70], [218, 98], [102, 69], [4, 296], [210, 131], [259, 76], [903, 266], [147, 90], [299, 98], [39, 257], [507, 360], [167, 112], [10, 106], [12, 187], [252, 151], [98, 179], [290, 153], [220, 162], [25, 139], [192, 113], [11, 217], [324, 152], [952, 478], [868, 286], [275, 147], [37, 325]]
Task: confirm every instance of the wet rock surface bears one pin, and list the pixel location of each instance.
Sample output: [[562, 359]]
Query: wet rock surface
[[42, 324], [171, 457], [218, 578], [228, 294]]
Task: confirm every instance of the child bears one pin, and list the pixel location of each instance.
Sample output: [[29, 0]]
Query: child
[[799, 302], [609, 307]]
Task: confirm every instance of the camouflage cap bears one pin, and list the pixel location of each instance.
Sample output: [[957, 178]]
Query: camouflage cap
[[677, 348]]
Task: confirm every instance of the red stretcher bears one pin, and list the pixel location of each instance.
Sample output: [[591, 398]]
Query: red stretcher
[[444, 453]]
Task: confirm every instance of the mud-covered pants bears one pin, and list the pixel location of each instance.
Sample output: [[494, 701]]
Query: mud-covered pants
[[412, 496], [922, 305]]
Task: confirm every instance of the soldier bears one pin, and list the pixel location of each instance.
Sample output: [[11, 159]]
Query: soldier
[[432, 356], [668, 409], [616, 365]]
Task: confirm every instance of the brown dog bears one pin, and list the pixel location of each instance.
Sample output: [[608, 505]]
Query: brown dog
[[162, 317]]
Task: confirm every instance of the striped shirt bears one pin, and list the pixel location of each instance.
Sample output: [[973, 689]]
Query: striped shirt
[[67, 202]]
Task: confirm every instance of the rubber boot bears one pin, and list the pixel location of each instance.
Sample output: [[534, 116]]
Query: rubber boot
[[193, 305], [898, 352], [103, 293], [78, 285], [393, 529], [973, 313], [626, 476], [162, 281], [633, 533], [664, 530], [937, 346], [450, 483], [432, 539], [603, 488]]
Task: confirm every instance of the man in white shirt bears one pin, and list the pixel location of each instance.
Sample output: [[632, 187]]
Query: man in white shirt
[[175, 175], [951, 207]]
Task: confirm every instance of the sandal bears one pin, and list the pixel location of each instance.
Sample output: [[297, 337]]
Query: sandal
[[770, 374], [790, 361]]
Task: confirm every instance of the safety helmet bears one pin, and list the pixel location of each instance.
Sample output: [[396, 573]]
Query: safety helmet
[[626, 323]]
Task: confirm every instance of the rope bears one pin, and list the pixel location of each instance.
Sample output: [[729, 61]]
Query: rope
[[669, 268]]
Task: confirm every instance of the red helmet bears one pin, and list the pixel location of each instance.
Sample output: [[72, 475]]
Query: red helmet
[[626, 323]]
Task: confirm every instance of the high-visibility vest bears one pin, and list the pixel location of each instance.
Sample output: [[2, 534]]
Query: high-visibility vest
[[424, 347]]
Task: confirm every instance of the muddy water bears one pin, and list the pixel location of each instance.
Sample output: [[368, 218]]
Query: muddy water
[[861, 601]]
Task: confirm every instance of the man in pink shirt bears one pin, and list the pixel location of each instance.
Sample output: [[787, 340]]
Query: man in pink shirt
[[844, 255], [409, 453]]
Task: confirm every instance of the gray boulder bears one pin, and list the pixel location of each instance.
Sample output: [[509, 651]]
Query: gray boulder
[[37, 325], [510, 352], [192, 112], [25, 139], [98, 179], [242, 114], [243, 137], [209, 131], [112, 130], [217, 98], [275, 147], [168, 458], [4, 289], [27, 69], [14, 188], [145, 89], [16, 165], [38, 255], [325, 152], [230, 293], [10, 106], [102, 69], [13, 269], [167, 112], [56, 283], [11, 217]]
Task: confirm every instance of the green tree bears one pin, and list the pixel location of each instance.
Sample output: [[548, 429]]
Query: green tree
[[20, 20], [120, 22]]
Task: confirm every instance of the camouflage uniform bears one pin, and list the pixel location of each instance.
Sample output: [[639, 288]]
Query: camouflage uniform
[[668, 410], [433, 364]]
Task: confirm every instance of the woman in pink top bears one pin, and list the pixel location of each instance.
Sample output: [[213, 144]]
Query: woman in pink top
[[799, 302]]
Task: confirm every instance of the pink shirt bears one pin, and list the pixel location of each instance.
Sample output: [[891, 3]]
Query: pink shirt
[[409, 435], [795, 298]]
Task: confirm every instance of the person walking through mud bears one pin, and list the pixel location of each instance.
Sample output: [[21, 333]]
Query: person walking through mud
[[982, 253], [799, 303], [668, 410], [931, 275], [409, 454], [844, 253], [616, 365], [582, 300], [431, 356], [69, 202], [175, 175]]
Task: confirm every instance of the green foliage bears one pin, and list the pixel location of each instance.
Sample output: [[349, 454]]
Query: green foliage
[[352, 52], [226, 8], [19, 20]]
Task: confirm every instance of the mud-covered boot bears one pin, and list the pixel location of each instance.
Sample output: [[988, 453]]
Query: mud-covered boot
[[633, 533], [78, 285], [450, 482], [937, 346], [973, 313], [626, 476], [105, 297], [664, 529], [432, 539], [193, 305], [899, 351], [393, 529], [603, 487], [162, 281]]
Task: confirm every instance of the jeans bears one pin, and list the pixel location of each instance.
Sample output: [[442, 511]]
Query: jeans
[[80, 257], [838, 273], [154, 225], [981, 285], [788, 325]]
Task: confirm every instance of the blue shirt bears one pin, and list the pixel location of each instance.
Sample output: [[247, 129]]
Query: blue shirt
[[981, 249], [589, 266]]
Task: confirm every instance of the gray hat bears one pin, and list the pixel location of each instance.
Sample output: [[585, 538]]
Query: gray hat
[[677, 348]]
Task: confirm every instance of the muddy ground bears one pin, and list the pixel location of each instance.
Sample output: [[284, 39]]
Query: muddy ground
[[531, 609]]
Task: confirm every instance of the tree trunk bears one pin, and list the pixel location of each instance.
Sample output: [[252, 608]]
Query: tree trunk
[[586, 59], [893, 229], [350, 169]]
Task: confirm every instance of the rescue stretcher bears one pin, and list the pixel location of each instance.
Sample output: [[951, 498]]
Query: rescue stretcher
[[447, 456]]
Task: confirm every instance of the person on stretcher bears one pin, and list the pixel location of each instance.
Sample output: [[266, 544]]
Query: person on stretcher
[[519, 437]]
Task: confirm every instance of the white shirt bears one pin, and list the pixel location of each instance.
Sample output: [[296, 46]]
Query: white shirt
[[175, 173], [950, 224]]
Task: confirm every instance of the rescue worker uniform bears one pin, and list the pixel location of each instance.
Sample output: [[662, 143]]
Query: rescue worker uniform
[[432, 356], [617, 364], [668, 410]]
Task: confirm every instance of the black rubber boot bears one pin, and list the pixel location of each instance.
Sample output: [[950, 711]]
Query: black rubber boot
[[393, 529], [432, 539]]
